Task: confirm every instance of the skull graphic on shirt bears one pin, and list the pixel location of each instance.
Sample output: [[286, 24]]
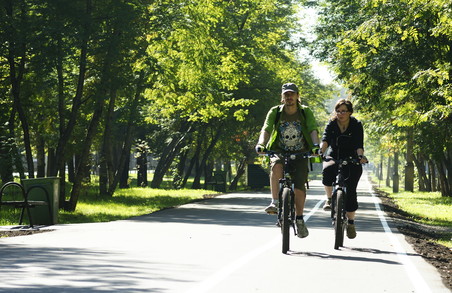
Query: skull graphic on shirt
[[291, 136]]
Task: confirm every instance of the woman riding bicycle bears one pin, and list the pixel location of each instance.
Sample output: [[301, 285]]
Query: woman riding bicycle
[[343, 138], [289, 127]]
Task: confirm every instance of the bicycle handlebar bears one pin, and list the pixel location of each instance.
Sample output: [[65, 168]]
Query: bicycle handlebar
[[344, 162], [293, 156]]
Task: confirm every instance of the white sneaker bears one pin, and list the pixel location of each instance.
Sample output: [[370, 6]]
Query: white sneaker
[[271, 209], [327, 205]]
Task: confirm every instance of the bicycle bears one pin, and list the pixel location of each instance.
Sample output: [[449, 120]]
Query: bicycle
[[339, 197], [286, 209]]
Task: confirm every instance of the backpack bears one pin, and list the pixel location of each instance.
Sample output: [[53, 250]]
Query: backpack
[[278, 115]]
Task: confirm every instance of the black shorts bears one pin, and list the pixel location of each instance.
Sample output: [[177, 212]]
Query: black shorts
[[300, 174]]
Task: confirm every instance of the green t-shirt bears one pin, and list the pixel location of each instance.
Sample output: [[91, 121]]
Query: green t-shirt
[[290, 133]]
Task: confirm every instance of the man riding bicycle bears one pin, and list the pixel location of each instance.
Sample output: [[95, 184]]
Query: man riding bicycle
[[289, 127]]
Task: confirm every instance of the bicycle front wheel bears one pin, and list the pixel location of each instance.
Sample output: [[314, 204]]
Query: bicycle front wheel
[[285, 225], [339, 224]]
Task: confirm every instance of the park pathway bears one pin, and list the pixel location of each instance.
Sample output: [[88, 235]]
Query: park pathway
[[224, 244]]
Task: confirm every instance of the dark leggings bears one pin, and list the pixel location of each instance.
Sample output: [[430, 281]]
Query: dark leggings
[[352, 175]]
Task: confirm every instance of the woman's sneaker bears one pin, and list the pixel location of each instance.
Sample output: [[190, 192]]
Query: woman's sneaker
[[302, 229], [327, 205]]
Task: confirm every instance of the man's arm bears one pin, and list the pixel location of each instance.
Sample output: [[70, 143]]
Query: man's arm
[[315, 137], [262, 142]]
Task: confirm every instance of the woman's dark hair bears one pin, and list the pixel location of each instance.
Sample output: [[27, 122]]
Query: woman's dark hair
[[341, 102]]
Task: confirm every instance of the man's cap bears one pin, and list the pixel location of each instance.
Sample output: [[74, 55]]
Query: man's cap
[[289, 87]]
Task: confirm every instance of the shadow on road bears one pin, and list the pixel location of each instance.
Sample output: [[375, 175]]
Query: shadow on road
[[234, 211], [371, 251], [89, 270]]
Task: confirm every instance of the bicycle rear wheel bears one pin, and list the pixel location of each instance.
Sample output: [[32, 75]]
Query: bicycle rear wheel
[[339, 225], [285, 225]]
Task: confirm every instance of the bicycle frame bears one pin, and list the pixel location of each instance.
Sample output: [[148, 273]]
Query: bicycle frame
[[339, 198], [286, 208]]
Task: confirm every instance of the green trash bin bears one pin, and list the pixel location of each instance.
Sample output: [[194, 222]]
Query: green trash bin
[[35, 188]]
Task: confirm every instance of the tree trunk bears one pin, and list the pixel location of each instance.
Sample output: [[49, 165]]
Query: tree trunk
[[193, 162], [106, 153], [50, 160], [240, 171], [208, 173], [448, 165], [103, 177], [122, 171], [432, 175], [388, 174], [81, 171], [17, 49], [395, 175], [124, 174], [202, 166], [142, 169], [443, 169], [66, 132], [62, 195], [380, 169], [71, 169], [17, 157], [424, 184], [178, 178], [40, 157], [6, 155], [168, 156], [409, 167]]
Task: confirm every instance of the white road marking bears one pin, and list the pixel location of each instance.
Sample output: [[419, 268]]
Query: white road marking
[[414, 275], [223, 273]]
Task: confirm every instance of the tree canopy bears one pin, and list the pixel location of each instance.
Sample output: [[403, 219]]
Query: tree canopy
[[83, 82]]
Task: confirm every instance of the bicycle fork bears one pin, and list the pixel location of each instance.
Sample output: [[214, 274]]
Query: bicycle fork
[[334, 203], [292, 210], [292, 215]]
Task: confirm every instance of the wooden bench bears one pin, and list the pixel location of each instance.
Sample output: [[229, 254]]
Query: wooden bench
[[218, 181], [17, 197]]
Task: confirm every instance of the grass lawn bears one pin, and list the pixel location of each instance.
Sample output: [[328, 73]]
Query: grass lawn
[[125, 203], [128, 203]]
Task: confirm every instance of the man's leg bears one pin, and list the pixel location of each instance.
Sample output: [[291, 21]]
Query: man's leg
[[275, 174], [300, 199]]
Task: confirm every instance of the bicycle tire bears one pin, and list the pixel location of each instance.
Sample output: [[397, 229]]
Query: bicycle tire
[[285, 225], [339, 221]]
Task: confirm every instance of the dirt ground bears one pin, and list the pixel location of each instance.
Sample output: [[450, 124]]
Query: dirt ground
[[418, 235]]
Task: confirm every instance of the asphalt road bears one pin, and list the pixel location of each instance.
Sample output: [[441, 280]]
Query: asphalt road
[[225, 244]]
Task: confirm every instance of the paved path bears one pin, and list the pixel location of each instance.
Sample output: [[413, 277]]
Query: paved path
[[225, 244]]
